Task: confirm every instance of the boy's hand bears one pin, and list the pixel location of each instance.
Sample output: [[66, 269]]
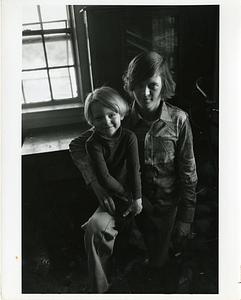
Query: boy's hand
[[182, 229], [104, 199], [135, 208]]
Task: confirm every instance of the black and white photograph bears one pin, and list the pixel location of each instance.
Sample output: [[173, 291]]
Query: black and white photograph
[[123, 158]]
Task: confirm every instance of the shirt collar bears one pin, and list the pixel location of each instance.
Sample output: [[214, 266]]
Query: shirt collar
[[164, 114]]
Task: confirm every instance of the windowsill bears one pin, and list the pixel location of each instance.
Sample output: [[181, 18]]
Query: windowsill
[[52, 115], [52, 107], [50, 128], [46, 140]]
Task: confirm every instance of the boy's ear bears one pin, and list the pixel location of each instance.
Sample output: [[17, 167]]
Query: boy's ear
[[121, 117]]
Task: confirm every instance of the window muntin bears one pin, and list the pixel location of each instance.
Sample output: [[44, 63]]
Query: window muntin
[[49, 68]]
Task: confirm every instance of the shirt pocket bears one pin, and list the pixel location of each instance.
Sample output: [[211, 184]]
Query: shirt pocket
[[163, 150]]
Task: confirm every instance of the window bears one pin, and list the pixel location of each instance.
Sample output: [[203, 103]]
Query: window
[[49, 61]]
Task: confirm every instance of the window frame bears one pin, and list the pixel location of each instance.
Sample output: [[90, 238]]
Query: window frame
[[66, 111], [76, 64]]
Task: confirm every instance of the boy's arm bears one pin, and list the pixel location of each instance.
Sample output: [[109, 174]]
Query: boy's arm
[[188, 180], [80, 157], [83, 163], [133, 167], [104, 177], [187, 173]]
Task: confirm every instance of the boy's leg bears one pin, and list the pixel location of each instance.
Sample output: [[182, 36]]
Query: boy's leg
[[159, 251], [100, 234], [156, 225]]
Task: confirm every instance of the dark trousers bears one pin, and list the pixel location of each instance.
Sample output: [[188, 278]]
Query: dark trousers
[[156, 225]]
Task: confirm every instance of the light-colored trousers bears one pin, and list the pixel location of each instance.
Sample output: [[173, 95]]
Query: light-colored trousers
[[100, 234]]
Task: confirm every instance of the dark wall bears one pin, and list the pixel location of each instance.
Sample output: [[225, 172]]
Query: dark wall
[[197, 50], [105, 35]]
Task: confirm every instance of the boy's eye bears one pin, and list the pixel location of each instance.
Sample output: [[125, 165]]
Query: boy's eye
[[111, 115], [153, 86]]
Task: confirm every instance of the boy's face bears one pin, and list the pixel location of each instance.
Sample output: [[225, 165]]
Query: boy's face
[[105, 120], [147, 94]]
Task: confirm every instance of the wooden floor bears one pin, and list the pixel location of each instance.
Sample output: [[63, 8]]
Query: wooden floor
[[195, 271]]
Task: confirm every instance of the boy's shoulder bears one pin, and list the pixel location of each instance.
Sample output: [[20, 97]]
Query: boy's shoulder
[[176, 112], [128, 132], [93, 139], [79, 141], [128, 135]]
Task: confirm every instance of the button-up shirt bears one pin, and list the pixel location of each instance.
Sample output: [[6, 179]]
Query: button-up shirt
[[167, 159], [166, 156]]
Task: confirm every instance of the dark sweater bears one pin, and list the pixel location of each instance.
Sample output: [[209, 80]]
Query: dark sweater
[[116, 162]]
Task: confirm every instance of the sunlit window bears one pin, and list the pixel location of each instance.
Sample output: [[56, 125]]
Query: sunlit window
[[48, 61]]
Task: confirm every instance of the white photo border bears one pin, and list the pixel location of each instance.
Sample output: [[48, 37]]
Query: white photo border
[[229, 151]]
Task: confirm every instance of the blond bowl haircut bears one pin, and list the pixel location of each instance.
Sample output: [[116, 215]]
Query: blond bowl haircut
[[107, 97]]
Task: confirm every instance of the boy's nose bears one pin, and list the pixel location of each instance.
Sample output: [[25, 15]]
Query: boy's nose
[[147, 91]]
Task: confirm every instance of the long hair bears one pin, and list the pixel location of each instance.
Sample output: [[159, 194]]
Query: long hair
[[146, 65]]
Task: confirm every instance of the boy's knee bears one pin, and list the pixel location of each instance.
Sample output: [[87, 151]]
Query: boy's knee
[[97, 224], [94, 225]]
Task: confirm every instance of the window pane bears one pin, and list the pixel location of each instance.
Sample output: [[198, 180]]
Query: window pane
[[30, 15], [33, 52], [73, 82], [63, 83], [36, 86], [59, 50], [53, 13]]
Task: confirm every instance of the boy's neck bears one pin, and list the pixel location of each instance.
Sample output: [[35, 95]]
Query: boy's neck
[[109, 138], [150, 115]]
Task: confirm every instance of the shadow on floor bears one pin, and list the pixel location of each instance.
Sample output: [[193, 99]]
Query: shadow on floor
[[194, 272], [54, 260]]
